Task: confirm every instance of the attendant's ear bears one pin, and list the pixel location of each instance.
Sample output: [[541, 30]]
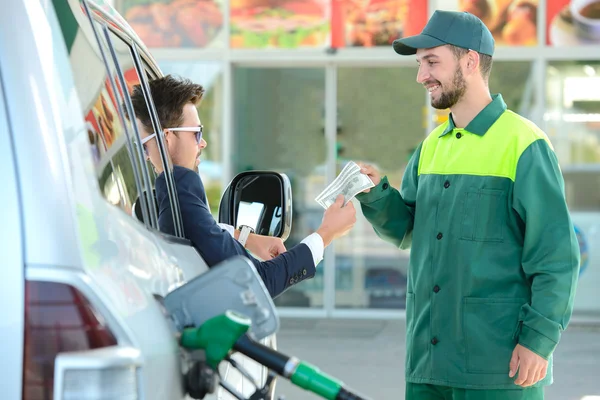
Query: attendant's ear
[[472, 59]]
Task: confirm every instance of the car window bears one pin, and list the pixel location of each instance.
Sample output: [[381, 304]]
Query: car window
[[106, 64], [132, 65], [127, 76], [122, 69], [101, 101], [123, 49]]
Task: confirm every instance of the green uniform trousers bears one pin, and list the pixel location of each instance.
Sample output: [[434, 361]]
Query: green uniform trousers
[[415, 391]]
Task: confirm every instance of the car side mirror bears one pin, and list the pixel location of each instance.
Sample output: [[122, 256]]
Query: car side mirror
[[261, 200]]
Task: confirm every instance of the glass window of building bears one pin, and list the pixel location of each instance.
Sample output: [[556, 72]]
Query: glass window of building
[[280, 125], [573, 124], [572, 120], [381, 120]]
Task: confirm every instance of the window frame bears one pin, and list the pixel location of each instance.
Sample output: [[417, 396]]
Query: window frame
[[144, 65], [113, 86], [167, 166], [148, 201]]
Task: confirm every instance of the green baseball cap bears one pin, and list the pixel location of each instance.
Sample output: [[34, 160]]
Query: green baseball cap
[[457, 28]]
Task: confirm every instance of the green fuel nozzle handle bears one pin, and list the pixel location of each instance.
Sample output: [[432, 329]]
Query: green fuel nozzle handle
[[216, 336]]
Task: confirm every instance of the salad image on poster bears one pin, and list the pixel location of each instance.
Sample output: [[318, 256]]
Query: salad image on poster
[[279, 23], [512, 22], [175, 23]]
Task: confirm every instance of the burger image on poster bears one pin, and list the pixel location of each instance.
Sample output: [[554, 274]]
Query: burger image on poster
[[578, 23]]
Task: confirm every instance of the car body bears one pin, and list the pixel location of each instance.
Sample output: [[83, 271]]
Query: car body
[[82, 275]]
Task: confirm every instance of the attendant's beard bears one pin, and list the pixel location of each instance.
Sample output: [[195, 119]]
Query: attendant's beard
[[451, 96]]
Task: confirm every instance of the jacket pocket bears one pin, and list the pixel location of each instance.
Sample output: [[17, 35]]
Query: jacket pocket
[[484, 215], [410, 323], [489, 325]]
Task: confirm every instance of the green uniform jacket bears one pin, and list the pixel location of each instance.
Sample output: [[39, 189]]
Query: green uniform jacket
[[494, 258]]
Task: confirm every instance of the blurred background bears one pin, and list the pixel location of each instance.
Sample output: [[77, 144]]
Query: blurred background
[[303, 86]]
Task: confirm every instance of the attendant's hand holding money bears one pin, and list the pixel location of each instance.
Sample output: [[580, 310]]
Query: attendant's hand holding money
[[348, 183], [337, 220], [372, 173]]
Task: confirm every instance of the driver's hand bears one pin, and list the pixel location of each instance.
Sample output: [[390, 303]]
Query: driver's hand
[[337, 220], [265, 247]]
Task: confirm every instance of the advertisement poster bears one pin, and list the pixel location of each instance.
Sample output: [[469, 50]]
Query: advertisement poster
[[368, 23], [512, 22], [572, 23], [175, 23], [287, 24]]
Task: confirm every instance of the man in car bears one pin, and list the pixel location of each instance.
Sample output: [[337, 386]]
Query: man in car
[[176, 101]]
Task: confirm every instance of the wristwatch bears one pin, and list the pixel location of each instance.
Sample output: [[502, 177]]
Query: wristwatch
[[245, 231]]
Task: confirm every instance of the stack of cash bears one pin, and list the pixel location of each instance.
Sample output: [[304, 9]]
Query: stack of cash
[[349, 182]]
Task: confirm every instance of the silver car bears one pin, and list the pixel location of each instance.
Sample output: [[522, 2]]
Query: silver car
[[84, 267]]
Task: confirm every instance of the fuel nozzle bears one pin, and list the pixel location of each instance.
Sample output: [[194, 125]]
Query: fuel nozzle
[[216, 336]]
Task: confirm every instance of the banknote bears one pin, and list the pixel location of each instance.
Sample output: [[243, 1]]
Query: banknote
[[349, 183], [340, 181]]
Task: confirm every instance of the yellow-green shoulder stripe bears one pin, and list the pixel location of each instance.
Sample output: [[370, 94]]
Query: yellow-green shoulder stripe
[[496, 153]]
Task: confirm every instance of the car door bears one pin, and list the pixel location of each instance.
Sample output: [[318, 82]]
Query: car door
[[137, 67]]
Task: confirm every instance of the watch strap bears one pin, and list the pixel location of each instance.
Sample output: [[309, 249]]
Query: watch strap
[[245, 231]]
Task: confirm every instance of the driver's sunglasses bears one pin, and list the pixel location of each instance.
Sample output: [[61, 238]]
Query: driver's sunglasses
[[196, 129]]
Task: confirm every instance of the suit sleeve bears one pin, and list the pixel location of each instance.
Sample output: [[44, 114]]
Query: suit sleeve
[[550, 249], [390, 212], [216, 245]]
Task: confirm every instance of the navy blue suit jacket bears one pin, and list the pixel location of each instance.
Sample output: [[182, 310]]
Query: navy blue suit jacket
[[216, 244]]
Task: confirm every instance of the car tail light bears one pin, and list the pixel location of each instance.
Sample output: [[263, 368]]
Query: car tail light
[[58, 320]]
